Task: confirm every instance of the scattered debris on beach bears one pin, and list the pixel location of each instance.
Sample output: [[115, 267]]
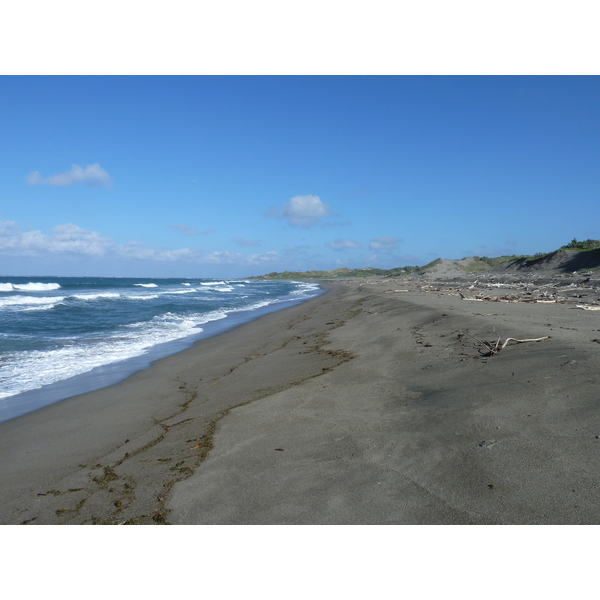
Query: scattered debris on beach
[[575, 290]]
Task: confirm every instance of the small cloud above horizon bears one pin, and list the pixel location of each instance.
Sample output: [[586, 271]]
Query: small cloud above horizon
[[302, 211], [344, 245], [300, 250], [243, 242], [384, 243], [93, 175], [338, 224], [186, 230]]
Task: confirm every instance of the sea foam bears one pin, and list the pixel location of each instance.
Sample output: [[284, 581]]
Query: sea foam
[[101, 321], [28, 300], [132, 340], [89, 297], [28, 287]]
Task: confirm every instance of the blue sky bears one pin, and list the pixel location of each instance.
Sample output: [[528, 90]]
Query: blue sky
[[227, 176]]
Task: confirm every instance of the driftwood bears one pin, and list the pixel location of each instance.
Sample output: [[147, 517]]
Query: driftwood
[[513, 298], [493, 349], [521, 341]]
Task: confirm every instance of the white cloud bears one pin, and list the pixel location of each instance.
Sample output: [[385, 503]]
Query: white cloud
[[7, 228], [188, 230], [297, 251], [63, 239], [70, 240], [303, 211], [227, 258], [140, 251], [92, 175], [344, 244], [384, 243], [136, 250], [243, 242]]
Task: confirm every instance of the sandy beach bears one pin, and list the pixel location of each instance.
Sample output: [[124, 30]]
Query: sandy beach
[[376, 403]]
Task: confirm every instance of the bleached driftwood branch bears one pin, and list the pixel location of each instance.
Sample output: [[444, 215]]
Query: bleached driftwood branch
[[493, 349], [521, 341]]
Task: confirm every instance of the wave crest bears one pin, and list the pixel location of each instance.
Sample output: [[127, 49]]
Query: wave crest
[[30, 300], [32, 286]]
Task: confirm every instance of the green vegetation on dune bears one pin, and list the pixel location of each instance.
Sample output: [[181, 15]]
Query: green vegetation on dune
[[483, 263], [470, 264], [339, 273], [585, 245]]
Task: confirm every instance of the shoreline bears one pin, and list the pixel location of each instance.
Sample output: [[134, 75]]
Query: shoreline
[[361, 406], [12, 407], [55, 457]]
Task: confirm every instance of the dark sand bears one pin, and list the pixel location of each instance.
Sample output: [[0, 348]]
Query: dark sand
[[363, 406]]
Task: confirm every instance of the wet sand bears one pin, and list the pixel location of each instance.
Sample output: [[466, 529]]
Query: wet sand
[[366, 405]]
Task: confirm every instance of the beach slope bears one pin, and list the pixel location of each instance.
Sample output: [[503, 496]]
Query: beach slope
[[367, 405]]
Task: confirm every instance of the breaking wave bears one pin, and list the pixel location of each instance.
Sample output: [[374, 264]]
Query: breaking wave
[[28, 287]]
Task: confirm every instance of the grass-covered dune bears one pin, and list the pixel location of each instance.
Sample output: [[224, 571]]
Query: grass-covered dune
[[574, 256]]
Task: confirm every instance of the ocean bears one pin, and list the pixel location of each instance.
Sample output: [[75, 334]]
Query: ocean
[[60, 336]]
